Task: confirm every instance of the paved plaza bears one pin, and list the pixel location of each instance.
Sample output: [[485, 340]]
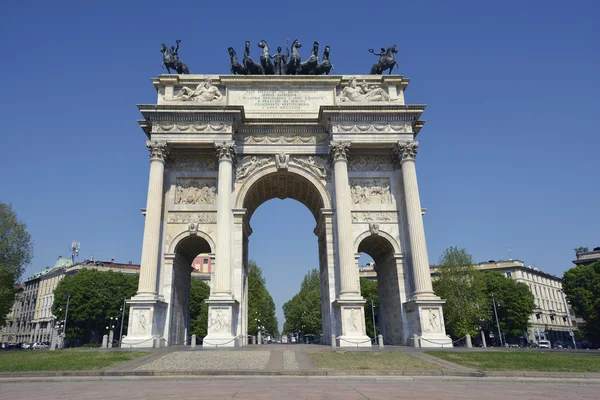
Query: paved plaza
[[300, 388]]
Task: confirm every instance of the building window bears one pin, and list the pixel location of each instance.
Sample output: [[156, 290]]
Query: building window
[[205, 261], [508, 275]]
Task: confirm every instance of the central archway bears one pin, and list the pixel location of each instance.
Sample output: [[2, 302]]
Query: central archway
[[311, 191]]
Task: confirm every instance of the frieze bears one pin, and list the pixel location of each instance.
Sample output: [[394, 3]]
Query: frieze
[[374, 216], [192, 217], [214, 127], [370, 163], [370, 191], [372, 128], [285, 138], [196, 191], [193, 162]]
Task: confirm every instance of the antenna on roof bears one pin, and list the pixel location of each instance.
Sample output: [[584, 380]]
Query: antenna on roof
[[509, 253], [74, 251]]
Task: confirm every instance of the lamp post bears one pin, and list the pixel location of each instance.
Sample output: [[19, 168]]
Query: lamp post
[[569, 319], [112, 324], [122, 319], [497, 322], [373, 313]]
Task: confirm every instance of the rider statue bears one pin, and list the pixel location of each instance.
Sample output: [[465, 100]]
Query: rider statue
[[280, 60]]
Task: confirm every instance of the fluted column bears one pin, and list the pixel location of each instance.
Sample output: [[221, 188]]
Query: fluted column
[[348, 273], [405, 153], [226, 157], [151, 245]]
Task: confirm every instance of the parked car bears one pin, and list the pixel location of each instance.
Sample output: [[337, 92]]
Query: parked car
[[40, 346], [544, 344], [28, 346]]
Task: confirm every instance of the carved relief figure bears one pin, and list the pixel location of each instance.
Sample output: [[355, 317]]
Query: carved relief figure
[[432, 324], [249, 164], [220, 320], [141, 321], [353, 320], [363, 93], [317, 165], [195, 191], [205, 91], [374, 216], [371, 191], [281, 161], [370, 163], [197, 218]]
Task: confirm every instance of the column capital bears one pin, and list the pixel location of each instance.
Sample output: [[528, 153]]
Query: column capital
[[339, 151], [159, 151], [225, 151], [405, 151]]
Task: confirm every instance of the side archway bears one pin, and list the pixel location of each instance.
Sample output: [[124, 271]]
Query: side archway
[[385, 251]]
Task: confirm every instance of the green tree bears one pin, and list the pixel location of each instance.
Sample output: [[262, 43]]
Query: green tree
[[582, 287], [514, 302], [16, 251], [199, 291], [303, 312], [370, 292], [95, 298], [465, 306], [260, 303]]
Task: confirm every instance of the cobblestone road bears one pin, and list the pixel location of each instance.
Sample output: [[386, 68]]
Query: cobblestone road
[[298, 388]]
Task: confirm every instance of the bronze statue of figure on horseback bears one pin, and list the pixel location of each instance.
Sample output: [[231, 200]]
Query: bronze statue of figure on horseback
[[386, 60], [171, 59]]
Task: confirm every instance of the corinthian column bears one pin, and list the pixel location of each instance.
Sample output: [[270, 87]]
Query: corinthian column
[[405, 153], [226, 157], [348, 273], [151, 245]]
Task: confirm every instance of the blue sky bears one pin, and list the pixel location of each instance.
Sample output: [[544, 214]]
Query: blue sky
[[508, 157]]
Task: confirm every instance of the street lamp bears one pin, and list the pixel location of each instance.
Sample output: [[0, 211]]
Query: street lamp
[[112, 324]]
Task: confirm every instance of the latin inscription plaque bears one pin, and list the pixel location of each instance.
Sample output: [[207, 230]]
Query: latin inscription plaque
[[281, 103]]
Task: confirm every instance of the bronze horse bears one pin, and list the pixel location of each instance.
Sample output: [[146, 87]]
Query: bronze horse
[[265, 58], [293, 66], [252, 67], [386, 60], [235, 66], [171, 60], [325, 67]]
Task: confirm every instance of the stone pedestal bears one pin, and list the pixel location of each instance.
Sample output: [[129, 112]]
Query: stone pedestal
[[427, 321], [352, 317], [146, 322], [221, 314]]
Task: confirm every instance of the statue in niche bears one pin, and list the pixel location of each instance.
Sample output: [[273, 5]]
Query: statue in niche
[[280, 60], [205, 91], [363, 93], [386, 60], [171, 59]]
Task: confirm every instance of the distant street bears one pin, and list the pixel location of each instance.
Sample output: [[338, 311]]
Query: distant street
[[299, 388]]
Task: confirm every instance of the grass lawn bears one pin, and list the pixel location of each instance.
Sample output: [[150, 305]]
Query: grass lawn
[[354, 360], [522, 361], [63, 360]]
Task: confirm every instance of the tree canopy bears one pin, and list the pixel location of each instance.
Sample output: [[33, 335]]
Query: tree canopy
[[465, 308], [199, 291], [303, 312], [260, 303], [514, 302], [582, 287], [95, 297], [16, 252]]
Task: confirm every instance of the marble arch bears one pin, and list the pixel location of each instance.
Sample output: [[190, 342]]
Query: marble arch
[[350, 160]]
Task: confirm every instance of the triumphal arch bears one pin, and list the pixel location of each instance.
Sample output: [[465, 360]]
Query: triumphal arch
[[344, 146]]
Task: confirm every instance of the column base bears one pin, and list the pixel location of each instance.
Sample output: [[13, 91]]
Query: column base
[[426, 320], [352, 319], [221, 323], [146, 322]]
